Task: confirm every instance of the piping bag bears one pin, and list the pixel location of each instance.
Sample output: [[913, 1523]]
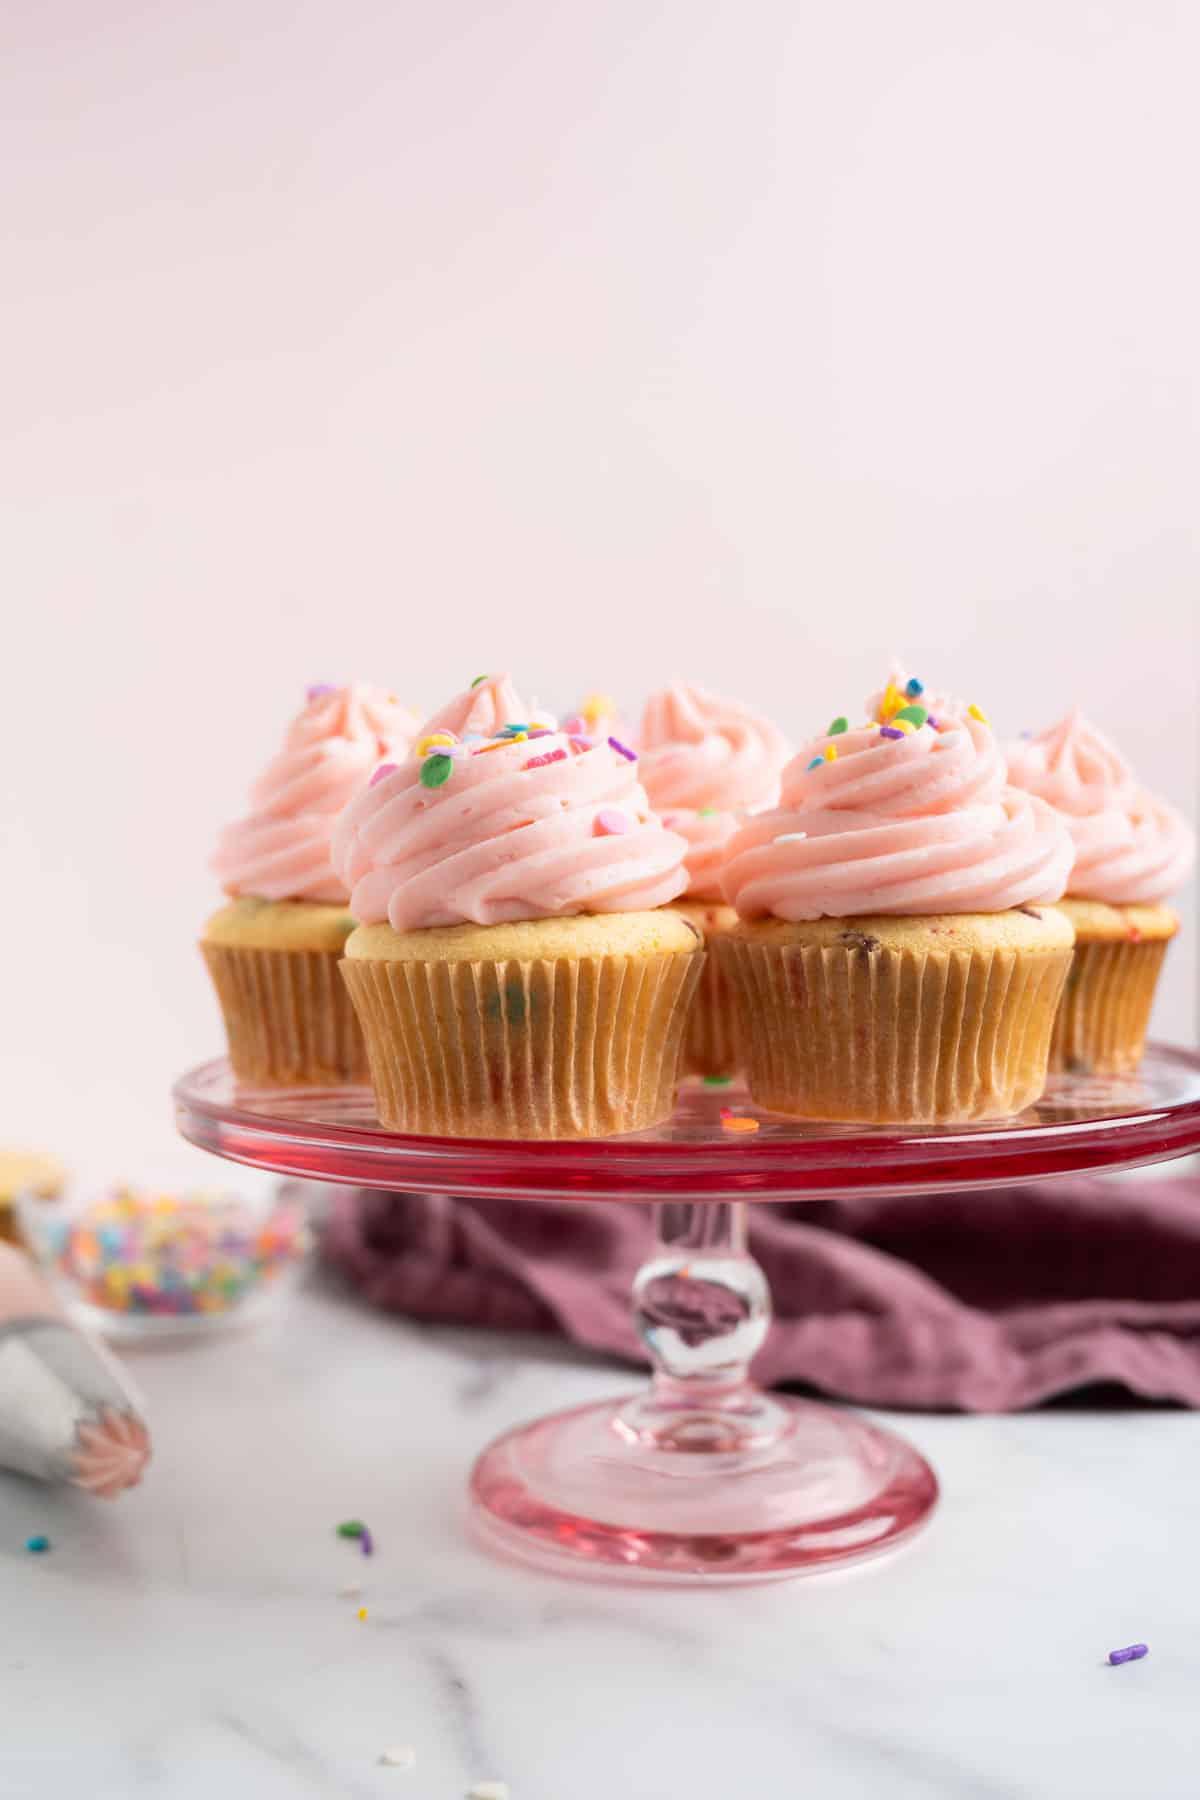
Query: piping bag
[[67, 1413]]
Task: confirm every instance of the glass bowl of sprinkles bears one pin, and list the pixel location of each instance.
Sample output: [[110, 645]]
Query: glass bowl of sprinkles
[[135, 1263]]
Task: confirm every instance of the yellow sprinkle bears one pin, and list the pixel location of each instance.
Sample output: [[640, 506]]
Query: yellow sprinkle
[[830, 753], [891, 703], [434, 737], [976, 713], [362, 1612], [905, 725], [740, 1125], [597, 706]]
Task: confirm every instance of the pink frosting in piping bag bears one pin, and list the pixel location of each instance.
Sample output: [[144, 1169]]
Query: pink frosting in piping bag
[[281, 849], [916, 824], [532, 829], [703, 762], [1129, 846]]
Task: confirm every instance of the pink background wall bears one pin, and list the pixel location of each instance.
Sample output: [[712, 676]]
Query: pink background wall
[[600, 339]]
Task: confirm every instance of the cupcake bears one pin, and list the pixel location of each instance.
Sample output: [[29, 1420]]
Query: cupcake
[[1131, 852], [704, 761], [273, 950], [516, 968], [897, 956]]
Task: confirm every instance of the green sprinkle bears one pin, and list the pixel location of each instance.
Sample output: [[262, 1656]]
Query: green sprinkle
[[435, 770], [351, 1528], [840, 724], [477, 680], [718, 1081], [707, 812], [917, 715]]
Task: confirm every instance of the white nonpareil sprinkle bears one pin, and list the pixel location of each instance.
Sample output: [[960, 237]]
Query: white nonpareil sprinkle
[[789, 837], [349, 1593], [402, 1756], [488, 1790]]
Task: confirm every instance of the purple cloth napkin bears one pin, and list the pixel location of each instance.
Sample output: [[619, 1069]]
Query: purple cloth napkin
[[987, 1302]]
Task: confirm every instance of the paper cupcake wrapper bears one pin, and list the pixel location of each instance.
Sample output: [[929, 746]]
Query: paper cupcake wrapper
[[544, 1049], [1105, 1009], [894, 1036], [288, 1017], [710, 1045]]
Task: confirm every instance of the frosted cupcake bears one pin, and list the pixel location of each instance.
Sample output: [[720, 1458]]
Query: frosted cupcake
[[516, 968], [897, 956], [705, 761], [1131, 852], [273, 950]]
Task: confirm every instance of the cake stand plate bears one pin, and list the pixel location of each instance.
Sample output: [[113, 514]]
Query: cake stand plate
[[703, 1477]]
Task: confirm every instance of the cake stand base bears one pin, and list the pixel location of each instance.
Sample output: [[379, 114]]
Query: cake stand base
[[790, 1487]]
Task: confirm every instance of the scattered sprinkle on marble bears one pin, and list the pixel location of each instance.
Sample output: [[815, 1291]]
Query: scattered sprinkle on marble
[[39, 1543], [351, 1528], [1131, 1653], [488, 1790], [400, 1756], [366, 1541], [362, 1612]]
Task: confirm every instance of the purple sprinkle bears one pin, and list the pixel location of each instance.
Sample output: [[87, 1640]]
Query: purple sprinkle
[[1131, 1653], [890, 731], [930, 720], [367, 1542], [581, 741], [542, 731], [623, 749], [381, 771], [318, 688]]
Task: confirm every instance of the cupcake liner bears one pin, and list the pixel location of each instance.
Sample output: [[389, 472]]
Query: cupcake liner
[[1105, 1009], [288, 1017], [556, 1048], [710, 1045], [894, 1036]]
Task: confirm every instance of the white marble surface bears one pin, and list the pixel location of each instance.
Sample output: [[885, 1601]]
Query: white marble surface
[[189, 1641]]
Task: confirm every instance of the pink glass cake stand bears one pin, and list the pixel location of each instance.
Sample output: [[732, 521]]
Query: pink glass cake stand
[[703, 1476]]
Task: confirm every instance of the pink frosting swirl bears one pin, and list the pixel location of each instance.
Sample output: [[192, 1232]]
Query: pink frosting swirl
[[533, 829], [914, 824], [281, 849], [1130, 847], [704, 761]]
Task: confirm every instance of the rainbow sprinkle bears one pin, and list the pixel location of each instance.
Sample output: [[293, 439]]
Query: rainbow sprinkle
[[436, 770], [1131, 1653], [478, 681], [830, 753], [435, 740], [38, 1544], [623, 749], [818, 762], [735, 1122], [383, 770], [611, 821], [840, 724], [890, 731], [914, 687], [318, 689], [551, 756], [977, 713]]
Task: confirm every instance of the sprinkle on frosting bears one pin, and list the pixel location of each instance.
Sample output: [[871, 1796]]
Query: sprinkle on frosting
[[567, 829], [975, 713], [840, 724], [908, 820], [436, 770], [913, 686], [479, 681], [326, 687], [381, 771], [830, 753]]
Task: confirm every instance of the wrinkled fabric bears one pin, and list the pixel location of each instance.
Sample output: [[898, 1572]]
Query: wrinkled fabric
[[982, 1302]]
